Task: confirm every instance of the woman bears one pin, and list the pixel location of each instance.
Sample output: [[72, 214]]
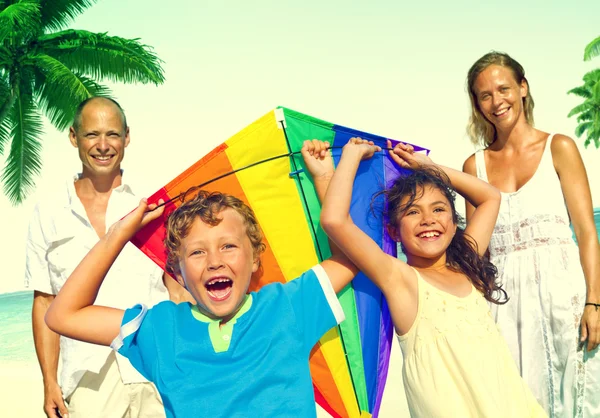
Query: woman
[[552, 320]]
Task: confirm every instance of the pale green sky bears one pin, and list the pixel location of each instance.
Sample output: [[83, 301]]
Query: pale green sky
[[385, 67]]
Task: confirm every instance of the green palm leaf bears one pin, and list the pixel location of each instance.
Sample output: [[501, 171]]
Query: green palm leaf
[[56, 14], [587, 115], [580, 108], [6, 99], [4, 133], [23, 162], [592, 77], [104, 57], [59, 90], [581, 91], [20, 20], [592, 49], [582, 127]]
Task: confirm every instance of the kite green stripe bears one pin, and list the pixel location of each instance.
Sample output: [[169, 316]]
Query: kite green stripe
[[299, 128]]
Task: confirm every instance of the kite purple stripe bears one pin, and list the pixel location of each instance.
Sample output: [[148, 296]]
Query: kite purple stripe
[[386, 329]]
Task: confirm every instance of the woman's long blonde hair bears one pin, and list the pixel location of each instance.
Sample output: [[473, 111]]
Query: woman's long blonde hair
[[480, 130]]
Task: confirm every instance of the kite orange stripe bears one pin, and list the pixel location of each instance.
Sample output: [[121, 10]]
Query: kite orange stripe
[[215, 164], [324, 382]]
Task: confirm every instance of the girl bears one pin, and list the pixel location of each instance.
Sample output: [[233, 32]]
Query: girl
[[539, 264], [456, 364]]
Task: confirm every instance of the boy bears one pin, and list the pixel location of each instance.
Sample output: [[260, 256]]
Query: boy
[[232, 354]]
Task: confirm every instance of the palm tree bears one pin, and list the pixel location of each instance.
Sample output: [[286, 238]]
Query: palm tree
[[592, 49], [46, 69], [589, 110]]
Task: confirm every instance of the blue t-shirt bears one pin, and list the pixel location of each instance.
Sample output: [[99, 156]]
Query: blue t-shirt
[[255, 366]]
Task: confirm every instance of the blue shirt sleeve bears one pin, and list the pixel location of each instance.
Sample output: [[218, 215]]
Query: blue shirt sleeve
[[136, 340], [315, 304]]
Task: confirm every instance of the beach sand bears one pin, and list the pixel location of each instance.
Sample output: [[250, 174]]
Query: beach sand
[[21, 390]]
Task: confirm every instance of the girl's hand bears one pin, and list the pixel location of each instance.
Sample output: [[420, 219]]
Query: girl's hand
[[404, 155], [317, 158], [363, 148]]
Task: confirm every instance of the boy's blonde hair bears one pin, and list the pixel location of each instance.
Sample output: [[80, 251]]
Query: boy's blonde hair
[[206, 206]]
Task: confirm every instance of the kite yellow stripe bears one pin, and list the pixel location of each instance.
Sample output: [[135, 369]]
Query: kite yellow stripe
[[285, 226]]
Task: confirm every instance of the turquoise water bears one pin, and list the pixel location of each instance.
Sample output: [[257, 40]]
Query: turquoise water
[[16, 338]]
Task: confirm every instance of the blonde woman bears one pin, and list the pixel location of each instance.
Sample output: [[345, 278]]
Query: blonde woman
[[552, 320]]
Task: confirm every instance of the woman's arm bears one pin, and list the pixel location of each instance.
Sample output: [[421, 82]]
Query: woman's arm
[[576, 191], [469, 168]]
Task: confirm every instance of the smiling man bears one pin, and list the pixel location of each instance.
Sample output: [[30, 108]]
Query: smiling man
[[94, 381]]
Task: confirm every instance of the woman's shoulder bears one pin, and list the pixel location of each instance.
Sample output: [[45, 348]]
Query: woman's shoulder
[[562, 143], [470, 165]]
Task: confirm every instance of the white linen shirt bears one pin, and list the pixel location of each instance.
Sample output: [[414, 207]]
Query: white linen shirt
[[60, 235]]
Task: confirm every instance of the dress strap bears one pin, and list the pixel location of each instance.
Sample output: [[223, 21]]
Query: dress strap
[[549, 142], [480, 166]]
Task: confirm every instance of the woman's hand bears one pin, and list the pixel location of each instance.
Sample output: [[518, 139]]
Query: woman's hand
[[590, 326]]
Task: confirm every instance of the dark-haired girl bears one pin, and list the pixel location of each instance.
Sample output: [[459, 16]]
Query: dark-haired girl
[[456, 364]]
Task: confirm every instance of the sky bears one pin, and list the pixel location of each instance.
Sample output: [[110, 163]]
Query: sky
[[385, 67]]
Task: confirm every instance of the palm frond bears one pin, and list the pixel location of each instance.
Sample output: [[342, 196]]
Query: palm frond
[[59, 90], [580, 108], [23, 161], [20, 19], [581, 128], [104, 57], [584, 116], [596, 93], [592, 77], [592, 49], [581, 91], [6, 98], [4, 133], [56, 14]]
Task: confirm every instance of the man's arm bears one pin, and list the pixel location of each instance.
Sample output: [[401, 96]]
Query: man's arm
[[46, 342], [47, 349]]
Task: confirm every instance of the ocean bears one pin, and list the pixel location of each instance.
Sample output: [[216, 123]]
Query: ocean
[[16, 338]]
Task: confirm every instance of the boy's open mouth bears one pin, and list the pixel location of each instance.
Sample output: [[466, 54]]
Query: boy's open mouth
[[219, 288]]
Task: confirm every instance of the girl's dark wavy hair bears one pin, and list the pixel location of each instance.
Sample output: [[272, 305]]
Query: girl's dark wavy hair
[[461, 255]]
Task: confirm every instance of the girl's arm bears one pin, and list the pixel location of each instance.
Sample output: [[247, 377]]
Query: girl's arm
[[73, 313], [337, 223], [484, 197], [576, 191], [319, 162]]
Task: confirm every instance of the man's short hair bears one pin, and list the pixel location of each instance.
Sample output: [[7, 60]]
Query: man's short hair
[[77, 119]]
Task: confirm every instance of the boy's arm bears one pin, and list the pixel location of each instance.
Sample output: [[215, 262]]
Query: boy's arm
[[319, 163], [73, 312]]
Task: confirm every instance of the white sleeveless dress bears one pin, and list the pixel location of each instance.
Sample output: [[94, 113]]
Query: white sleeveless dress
[[539, 267]]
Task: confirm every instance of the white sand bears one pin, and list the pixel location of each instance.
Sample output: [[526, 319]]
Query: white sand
[[21, 390]]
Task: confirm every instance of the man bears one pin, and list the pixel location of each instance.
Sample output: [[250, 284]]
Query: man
[[95, 382]]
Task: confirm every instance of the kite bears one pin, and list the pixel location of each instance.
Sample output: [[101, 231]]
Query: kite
[[262, 166]]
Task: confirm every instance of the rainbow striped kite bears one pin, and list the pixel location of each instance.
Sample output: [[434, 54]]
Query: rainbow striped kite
[[262, 166]]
